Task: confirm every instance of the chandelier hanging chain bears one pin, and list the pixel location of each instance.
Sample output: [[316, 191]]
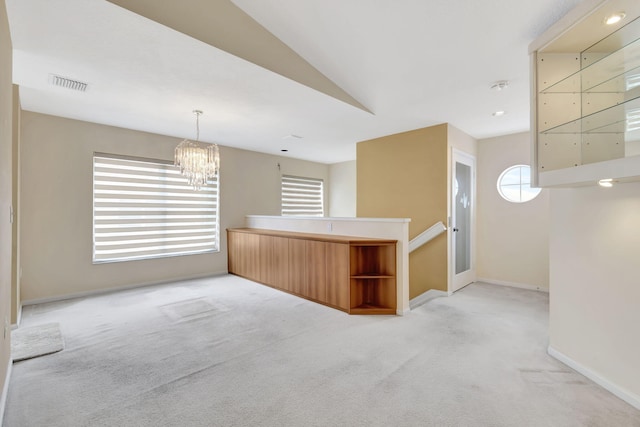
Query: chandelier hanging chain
[[197, 112]]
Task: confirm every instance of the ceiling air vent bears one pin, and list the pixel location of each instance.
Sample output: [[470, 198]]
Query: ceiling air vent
[[67, 83]]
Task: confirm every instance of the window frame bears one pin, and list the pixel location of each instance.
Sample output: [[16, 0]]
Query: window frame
[[312, 181], [520, 185], [194, 202]]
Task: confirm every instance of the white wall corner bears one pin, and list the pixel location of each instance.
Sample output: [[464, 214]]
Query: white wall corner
[[513, 284], [5, 391], [18, 320], [631, 398], [425, 297]]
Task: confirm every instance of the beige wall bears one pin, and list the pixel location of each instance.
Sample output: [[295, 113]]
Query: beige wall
[[594, 281], [513, 238], [6, 182], [461, 141], [342, 189], [15, 279], [56, 205], [405, 176]]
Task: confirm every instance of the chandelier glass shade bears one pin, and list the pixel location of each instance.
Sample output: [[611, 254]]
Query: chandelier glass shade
[[198, 161]]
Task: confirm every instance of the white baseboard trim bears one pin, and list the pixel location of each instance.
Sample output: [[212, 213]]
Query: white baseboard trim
[[400, 312], [631, 398], [5, 391], [513, 284], [427, 296], [116, 289], [17, 324]]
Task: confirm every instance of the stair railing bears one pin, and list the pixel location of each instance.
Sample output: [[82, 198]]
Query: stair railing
[[427, 235]]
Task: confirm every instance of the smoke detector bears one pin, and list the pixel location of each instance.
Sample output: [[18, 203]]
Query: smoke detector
[[67, 83]]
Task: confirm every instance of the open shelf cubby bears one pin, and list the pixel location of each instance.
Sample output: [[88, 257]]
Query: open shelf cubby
[[373, 278]]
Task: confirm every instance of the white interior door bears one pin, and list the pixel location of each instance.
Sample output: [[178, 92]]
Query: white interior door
[[462, 221]]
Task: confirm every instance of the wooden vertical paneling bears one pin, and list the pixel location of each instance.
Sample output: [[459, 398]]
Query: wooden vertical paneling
[[316, 270], [233, 254], [274, 261], [297, 267], [357, 276], [266, 259], [243, 255], [251, 246], [338, 275]]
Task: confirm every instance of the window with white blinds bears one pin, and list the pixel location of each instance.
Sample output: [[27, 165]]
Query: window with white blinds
[[302, 196], [145, 209]]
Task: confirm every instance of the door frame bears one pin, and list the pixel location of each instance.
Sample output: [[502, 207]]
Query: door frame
[[459, 281]]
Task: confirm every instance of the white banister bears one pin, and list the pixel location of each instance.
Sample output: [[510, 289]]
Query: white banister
[[428, 234]]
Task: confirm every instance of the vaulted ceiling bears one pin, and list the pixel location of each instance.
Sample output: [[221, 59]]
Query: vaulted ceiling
[[310, 76]]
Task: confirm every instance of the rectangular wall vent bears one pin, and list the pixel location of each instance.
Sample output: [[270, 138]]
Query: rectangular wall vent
[[67, 83]]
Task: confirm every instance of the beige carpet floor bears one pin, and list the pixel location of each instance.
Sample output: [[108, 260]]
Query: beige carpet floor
[[228, 352]]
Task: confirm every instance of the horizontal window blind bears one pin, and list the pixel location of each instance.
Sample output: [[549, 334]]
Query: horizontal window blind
[[302, 196], [146, 209]]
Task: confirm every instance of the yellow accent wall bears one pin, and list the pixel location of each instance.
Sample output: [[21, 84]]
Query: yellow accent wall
[[405, 176]]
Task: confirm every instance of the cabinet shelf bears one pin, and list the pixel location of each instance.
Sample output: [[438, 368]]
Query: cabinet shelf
[[371, 309], [593, 77], [617, 83], [372, 276], [620, 83], [610, 120], [372, 293]]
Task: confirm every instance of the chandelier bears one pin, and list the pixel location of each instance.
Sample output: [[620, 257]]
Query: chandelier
[[198, 161]]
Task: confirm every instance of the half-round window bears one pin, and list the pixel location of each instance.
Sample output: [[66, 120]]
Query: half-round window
[[514, 184]]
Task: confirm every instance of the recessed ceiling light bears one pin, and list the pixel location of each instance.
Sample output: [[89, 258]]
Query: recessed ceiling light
[[284, 150], [607, 183], [499, 85], [498, 113], [615, 18]]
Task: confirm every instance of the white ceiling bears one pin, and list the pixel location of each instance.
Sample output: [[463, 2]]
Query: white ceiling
[[411, 63]]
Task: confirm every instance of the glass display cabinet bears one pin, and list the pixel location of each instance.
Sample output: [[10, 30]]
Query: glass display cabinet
[[586, 96]]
